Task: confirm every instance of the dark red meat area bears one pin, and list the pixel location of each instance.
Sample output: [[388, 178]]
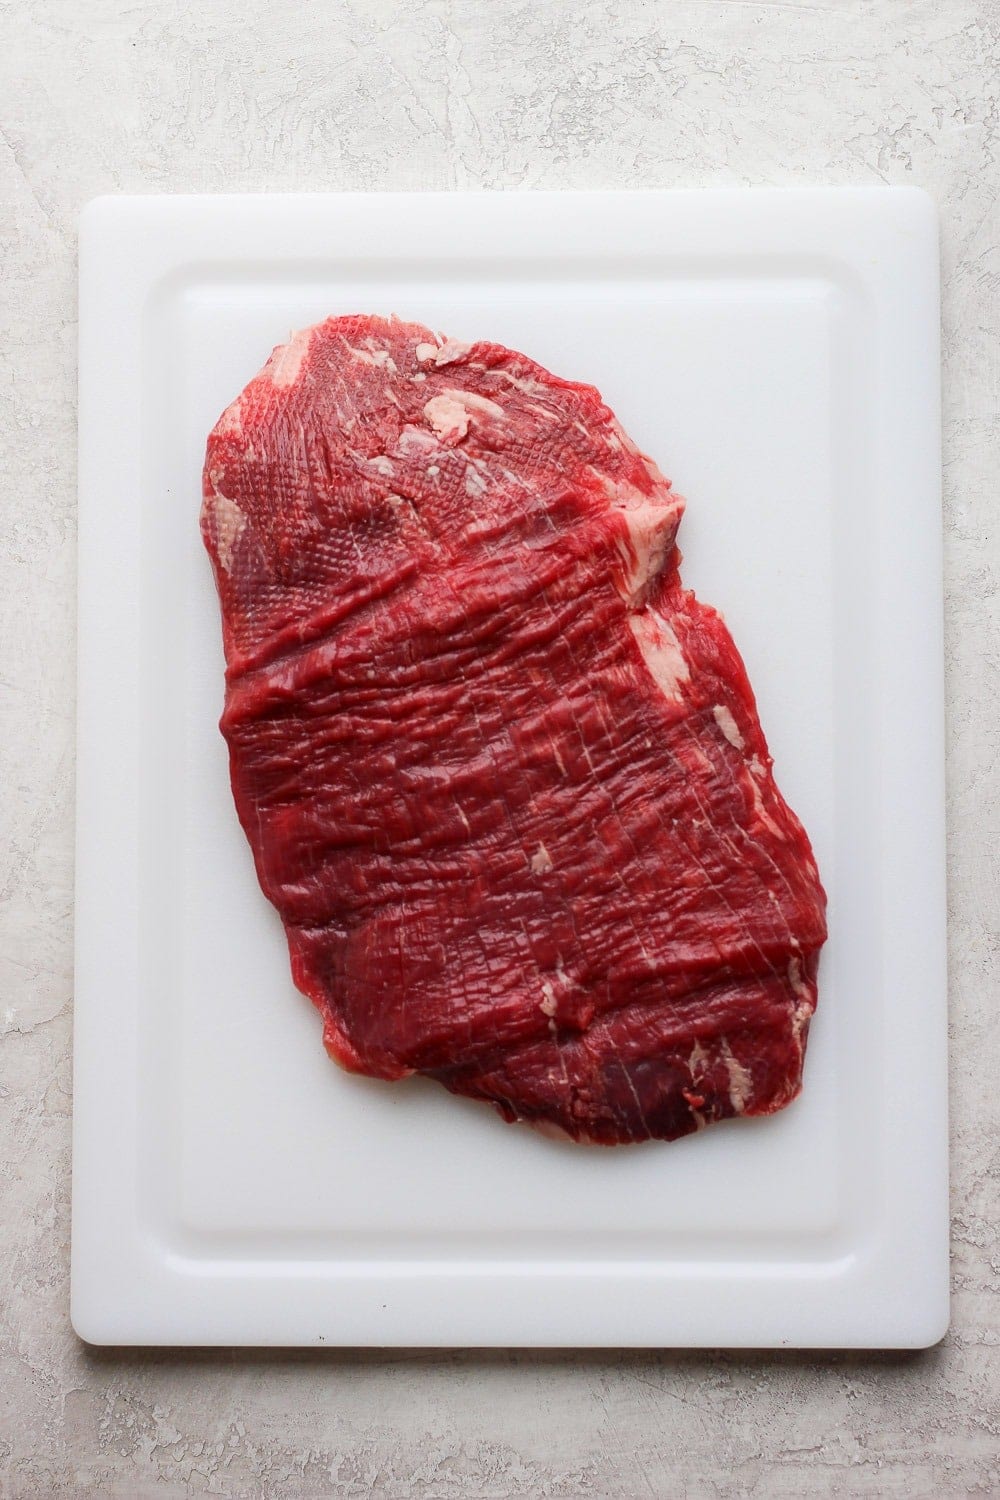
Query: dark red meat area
[[502, 775]]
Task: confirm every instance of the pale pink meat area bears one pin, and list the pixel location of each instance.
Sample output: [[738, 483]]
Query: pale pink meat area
[[502, 775]]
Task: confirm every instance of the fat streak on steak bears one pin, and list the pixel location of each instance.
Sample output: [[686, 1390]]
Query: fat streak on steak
[[502, 775]]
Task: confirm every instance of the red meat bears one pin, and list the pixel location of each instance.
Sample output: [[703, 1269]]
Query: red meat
[[502, 775]]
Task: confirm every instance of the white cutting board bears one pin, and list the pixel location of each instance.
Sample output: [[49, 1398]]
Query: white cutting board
[[777, 354]]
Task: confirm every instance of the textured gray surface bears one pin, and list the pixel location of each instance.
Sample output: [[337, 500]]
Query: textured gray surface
[[117, 95]]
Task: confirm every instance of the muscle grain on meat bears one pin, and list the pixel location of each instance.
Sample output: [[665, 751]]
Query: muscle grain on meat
[[502, 775]]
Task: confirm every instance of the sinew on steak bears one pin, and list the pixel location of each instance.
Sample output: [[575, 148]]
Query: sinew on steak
[[502, 775]]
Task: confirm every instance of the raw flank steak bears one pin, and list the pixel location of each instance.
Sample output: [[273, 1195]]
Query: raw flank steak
[[502, 774]]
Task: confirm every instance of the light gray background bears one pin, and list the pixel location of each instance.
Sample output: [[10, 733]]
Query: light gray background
[[104, 96]]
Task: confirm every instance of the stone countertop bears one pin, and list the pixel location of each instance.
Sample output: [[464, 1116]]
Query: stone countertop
[[175, 96]]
